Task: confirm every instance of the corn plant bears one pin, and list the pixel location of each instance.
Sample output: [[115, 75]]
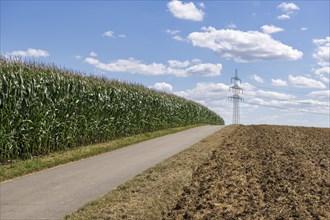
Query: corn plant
[[45, 109]]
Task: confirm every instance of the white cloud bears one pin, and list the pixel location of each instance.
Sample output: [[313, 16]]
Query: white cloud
[[283, 17], [322, 53], [78, 57], [243, 46], [178, 38], [288, 7], [205, 69], [322, 56], [172, 32], [108, 34], [91, 61], [323, 73], [304, 29], [231, 26], [320, 94], [257, 78], [246, 86], [275, 95], [304, 82], [187, 11], [93, 54], [206, 92], [129, 65], [174, 67], [270, 29], [28, 53], [322, 70], [272, 102], [162, 86], [279, 82], [196, 60], [215, 97], [178, 63], [111, 34]]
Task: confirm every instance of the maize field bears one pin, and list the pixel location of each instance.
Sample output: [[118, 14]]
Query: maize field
[[44, 109]]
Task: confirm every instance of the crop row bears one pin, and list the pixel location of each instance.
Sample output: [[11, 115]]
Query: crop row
[[45, 109]]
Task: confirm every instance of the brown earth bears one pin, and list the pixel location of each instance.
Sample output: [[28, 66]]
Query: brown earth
[[262, 172]]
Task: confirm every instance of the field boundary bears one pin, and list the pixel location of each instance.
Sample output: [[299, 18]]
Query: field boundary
[[153, 192], [25, 167]]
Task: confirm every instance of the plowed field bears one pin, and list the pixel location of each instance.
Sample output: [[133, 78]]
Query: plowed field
[[262, 172]]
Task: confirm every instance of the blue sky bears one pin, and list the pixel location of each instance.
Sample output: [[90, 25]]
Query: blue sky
[[280, 49]]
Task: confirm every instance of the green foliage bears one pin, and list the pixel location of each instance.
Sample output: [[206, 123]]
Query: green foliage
[[45, 109]]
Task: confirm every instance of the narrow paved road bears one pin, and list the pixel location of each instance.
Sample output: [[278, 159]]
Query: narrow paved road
[[53, 193]]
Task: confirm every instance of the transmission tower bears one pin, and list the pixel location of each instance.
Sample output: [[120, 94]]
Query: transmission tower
[[236, 89]]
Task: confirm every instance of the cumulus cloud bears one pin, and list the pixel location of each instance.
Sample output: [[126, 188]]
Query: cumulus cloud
[[93, 54], [108, 34], [173, 67], [179, 38], [111, 34], [276, 95], [174, 34], [323, 94], [304, 82], [162, 86], [288, 9], [322, 70], [271, 102], [243, 46], [283, 17], [231, 26], [186, 11], [322, 52], [322, 56], [279, 82], [257, 78], [205, 69], [205, 92], [246, 86], [28, 53], [178, 63], [215, 96], [304, 29], [270, 29]]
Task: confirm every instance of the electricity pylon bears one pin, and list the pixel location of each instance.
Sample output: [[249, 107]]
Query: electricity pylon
[[236, 89]]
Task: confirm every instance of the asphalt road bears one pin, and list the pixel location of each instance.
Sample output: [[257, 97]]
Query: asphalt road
[[56, 192]]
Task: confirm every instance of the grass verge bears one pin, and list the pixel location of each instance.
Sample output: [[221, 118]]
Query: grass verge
[[155, 191], [20, 168]]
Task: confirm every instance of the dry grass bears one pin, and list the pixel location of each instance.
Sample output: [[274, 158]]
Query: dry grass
[[24, 167], [155, 191]]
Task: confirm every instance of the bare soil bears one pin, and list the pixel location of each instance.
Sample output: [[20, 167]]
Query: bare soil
[[262, 172], [153, 193]]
